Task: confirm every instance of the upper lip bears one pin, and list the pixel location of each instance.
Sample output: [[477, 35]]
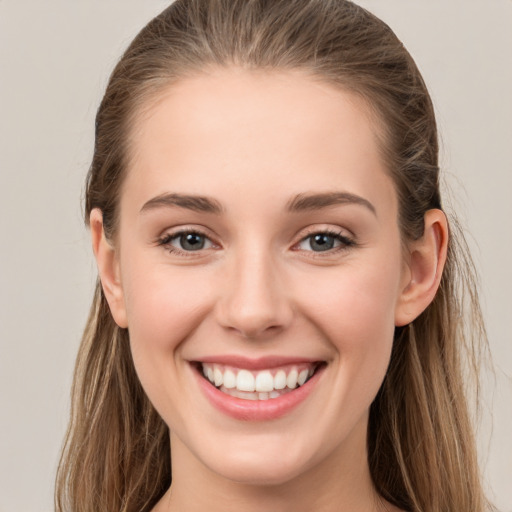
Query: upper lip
[[260, 363]]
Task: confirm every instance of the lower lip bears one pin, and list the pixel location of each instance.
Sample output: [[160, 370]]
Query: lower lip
[[257, 410]]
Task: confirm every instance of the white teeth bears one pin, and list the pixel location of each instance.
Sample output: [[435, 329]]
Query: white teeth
[[229, 379], [244, 395], [303, 375], [217, 376], [291, 380], [245, 381], [257, 385], [264, 381], [280, 380]]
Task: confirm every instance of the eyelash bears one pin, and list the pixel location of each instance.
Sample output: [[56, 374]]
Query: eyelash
[[345, 242], [166, 240]]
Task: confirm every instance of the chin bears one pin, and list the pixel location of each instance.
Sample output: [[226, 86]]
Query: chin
[[265, 474], [262, 467]]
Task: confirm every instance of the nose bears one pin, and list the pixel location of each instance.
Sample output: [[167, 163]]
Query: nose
[[253, 299]]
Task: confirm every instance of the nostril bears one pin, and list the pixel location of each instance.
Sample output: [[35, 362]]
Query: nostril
[[254, 305], [257, 331]]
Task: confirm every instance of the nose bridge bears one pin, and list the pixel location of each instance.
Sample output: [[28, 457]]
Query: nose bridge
[[253, 302]]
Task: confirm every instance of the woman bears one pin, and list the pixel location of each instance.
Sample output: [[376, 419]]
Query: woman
[[281, 302]]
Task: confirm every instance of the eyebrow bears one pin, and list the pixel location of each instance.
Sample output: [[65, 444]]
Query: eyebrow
[[200, 204], [299, 203], [305, 202]]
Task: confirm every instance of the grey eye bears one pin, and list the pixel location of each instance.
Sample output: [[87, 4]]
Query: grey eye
[[324, 241], [321, 242], [186, 241], [191, 241]]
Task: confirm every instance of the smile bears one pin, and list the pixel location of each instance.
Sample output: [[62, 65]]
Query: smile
[[258, 385], [261, 390]]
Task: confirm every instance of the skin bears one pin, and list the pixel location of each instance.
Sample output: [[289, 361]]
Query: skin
[[252, 141]]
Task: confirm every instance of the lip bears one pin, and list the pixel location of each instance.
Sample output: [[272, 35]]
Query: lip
[[260, 363], [256, 410]]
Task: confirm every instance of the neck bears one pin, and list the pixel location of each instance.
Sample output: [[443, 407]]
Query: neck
[[339, 482]]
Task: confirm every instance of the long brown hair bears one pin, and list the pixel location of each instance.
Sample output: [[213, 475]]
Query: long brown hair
[[421, 448]]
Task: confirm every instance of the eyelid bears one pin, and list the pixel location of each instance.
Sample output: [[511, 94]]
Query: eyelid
[[326, 229], [164, 240], [346, 238]]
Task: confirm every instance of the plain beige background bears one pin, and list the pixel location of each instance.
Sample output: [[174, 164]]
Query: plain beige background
[[55, 57]]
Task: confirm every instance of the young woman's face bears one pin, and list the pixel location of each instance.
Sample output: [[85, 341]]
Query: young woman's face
[[259, 244]]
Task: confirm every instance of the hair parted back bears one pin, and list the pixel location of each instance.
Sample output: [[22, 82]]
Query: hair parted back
[[421, 449]]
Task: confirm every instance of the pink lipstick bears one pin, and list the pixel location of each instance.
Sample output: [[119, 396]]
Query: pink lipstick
[[257, 389]]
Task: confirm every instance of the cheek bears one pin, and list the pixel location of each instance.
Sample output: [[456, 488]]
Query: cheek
[[357, 300], [163, 302], [164, 306], [355, 312], [356, 317]]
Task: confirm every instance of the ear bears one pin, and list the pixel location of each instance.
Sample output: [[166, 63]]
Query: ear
[[108, 268], [426, 259]]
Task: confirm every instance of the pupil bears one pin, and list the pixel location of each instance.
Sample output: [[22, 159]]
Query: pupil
[[322, 242], [192, 241]]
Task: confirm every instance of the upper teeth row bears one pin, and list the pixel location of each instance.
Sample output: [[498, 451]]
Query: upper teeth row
[[263, 381]]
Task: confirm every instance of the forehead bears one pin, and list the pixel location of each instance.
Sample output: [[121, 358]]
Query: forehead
[[252, 131]]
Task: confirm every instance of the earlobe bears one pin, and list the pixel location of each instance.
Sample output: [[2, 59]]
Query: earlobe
[[108, 268], [427, 257]]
